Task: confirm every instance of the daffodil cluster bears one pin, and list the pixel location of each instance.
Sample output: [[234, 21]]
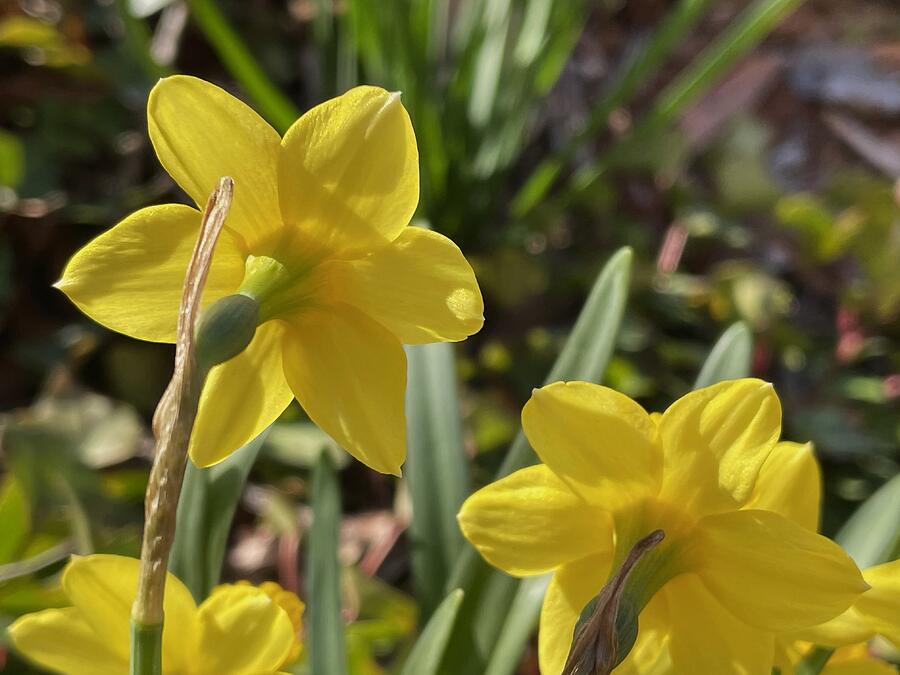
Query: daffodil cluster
[[318, 235], [741, 563], [239, 629]]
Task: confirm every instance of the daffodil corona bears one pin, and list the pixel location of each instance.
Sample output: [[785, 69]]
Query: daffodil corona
[[240, 629], [723, 581], [318, 235]]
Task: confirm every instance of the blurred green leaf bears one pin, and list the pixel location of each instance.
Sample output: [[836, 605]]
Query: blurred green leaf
[[15, 518], [12, 160], [300, 444], [436, 469], [729, 358], [519, 626], [426, 655], [489, 593], [872, 534], [325, 637], [206, 509]]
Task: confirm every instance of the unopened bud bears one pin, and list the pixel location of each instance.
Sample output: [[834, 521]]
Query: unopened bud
[[608, 635], [225, 329]]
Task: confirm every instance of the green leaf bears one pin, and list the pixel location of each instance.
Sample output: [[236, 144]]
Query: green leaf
[[519, 626], [426, 655], [703, 73], [436, 468], [206, 509], [327, 651], [490, 593], [872, 534], [729, 358], [15, 518]]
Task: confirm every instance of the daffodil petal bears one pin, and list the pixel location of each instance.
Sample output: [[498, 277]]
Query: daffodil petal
[[531, 522], [731, 426], [241, 397], [847, 628], [773, 573], [650, 654], [242, 631], [349, 374], [705, 638], [597, 440], [131, 278], [201, 133], [103, 587], [62, 641], [348, 173], [856, 660], [572, 587], [790, 484], [420, 287], [880, 605]]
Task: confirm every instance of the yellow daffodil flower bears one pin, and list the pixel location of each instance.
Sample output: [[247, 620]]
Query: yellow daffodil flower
[[724, 579], [791, 481], [318, 235], [239, 629]]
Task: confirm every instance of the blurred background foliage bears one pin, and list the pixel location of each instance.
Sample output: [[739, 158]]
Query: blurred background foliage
[[747, 152]]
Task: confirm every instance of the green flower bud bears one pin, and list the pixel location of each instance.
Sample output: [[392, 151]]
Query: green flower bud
[[225, 329]]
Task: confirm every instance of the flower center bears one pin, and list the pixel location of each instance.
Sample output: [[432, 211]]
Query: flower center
[[278, 288]]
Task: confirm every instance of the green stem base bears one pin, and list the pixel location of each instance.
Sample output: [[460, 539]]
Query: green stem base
[[146, 649]]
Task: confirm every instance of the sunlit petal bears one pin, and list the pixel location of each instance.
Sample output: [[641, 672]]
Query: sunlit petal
[[705, 638], [531, 522], [131, 277], [790, 484], [349, 173], [242, 631], [420, 287], [103, 587], [201, 133], [349, 374], [241, 397], [597, 440], [62, 641], [880, 605], [715, 440], [571, 589], [773, 573]]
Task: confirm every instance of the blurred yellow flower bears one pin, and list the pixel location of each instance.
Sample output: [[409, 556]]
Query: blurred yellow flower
[[724, 579], [318, 234], [239, 629]]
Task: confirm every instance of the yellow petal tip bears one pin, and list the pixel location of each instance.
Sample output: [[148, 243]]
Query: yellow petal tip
[[390, 103]]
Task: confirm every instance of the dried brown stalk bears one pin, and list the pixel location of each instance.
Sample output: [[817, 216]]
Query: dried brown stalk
[[174, 420]]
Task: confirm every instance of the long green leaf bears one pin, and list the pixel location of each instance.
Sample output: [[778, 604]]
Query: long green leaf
[[637, 72], [744, 33], [426, 655], [490, 593], [209, 499], [729, 358], [327, 651], [436, 468], [872, 534], [518, 627]]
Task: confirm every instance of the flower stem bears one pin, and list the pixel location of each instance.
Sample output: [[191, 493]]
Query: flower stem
[[814, 661], [146, 649], [172, 426], [239, 61]]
